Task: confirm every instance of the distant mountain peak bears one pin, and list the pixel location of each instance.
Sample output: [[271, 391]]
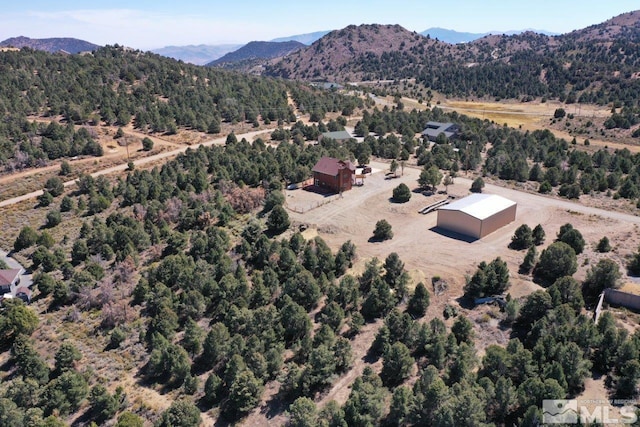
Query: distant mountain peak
[[57, 44], [307, 38], [258, 50]]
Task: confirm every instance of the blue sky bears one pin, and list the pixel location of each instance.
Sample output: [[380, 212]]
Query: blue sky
[[149, 24]]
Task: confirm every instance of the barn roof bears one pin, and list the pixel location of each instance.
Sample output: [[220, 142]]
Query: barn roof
[[480, 206], [7, 277], [330, 166]]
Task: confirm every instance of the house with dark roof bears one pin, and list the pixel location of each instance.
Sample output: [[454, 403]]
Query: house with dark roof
[[9, 279], [339, 136], [334, 174], [433, 129]]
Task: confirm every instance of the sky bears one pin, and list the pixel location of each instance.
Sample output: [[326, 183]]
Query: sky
[[150, 24]]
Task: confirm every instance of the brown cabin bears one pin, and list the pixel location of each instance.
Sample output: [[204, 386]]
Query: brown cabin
[[333, 174]]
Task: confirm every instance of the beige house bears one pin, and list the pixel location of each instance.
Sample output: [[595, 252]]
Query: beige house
[[477, 215]]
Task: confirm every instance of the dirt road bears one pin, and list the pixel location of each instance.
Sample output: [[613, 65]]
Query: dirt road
[[123, 166]]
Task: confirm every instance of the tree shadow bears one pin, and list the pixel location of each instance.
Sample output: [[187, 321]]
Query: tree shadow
[[396, 201], [373, 239], [85, 418], [466, 302]]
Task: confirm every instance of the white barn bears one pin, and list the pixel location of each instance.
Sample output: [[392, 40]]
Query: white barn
[[477, 215]]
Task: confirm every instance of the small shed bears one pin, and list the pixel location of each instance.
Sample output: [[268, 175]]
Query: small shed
[[334, 174], [477, 215]]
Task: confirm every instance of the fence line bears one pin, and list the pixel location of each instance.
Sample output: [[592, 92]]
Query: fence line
[[310, 206]]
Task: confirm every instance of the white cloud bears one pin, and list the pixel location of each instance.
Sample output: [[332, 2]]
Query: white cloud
[[129, 27]]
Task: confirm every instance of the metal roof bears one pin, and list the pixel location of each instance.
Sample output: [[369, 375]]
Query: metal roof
[[480, 206], [331, 166], [338, 135]]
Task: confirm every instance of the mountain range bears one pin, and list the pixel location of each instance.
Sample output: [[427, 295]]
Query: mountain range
[[579, 66], [197, 54], [582, 65], [454, 37], [207, 54]]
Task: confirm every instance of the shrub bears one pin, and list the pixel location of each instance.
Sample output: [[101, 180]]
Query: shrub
[[278, 220], [522, 238], [401, 193], [147, 144], [545, 188], [54, 186], [571, 237], [53, 218], [538, 235], [117, 337], [477, 185], [382, 231], [489, 279], [449, 311], [603, 245], [27, 237], [558, 260], [65, 168]]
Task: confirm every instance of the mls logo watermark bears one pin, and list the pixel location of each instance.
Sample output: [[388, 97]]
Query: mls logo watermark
[[572, 411], [560, 411]]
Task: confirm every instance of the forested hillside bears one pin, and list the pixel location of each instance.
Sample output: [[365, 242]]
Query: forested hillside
[[114, 86], [595, 65], [256, 50], [184, 293]]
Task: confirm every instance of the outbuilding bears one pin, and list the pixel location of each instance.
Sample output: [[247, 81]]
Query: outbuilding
[[477, 215]]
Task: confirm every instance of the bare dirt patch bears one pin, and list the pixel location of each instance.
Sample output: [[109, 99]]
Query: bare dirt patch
[[428, 253]]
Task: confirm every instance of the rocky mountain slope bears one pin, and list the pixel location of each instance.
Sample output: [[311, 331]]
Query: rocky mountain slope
[[573, 66]]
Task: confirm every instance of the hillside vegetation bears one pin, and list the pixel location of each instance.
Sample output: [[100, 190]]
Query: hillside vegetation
[[116, 87], [256, 51], [597, 64], [184, 293]]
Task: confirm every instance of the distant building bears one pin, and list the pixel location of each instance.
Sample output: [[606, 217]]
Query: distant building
[[333, 174], [433, 129], [339, 136], [477, 215], [9, 279]]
